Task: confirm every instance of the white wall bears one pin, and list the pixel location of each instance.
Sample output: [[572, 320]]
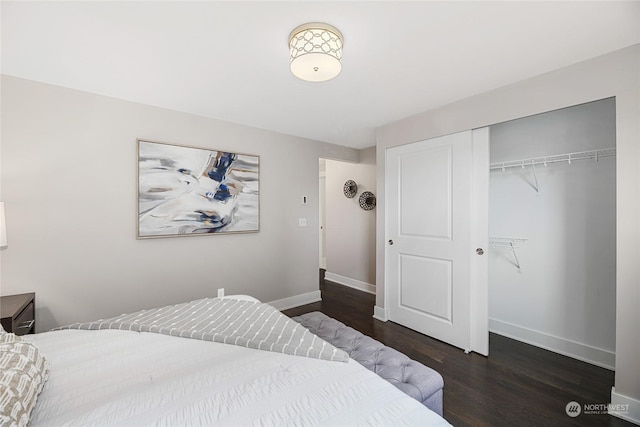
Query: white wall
[[69, 177], [615, 74], [563, 297], [350, 230]]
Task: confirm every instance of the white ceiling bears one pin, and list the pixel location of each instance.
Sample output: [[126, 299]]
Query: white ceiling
[[229, 60]]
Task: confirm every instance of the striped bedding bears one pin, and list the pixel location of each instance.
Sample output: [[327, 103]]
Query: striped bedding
[[124, 378], [245, 323]]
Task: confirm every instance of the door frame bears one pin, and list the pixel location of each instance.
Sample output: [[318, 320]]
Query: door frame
[[322, 206]]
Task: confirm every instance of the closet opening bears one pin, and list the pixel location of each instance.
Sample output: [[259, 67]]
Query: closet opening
[[552, 231]]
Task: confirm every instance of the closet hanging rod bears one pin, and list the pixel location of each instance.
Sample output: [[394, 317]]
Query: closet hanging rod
[[556, 158]]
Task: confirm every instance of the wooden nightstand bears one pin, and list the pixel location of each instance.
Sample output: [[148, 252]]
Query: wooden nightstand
[[18, 313]]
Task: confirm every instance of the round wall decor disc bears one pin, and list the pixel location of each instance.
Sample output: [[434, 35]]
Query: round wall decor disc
[[350, 188], [367, 200]]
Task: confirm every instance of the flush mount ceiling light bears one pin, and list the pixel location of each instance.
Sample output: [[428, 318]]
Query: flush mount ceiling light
[[316, 52]]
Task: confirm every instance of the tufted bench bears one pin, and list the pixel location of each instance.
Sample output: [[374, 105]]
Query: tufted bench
[[413, 378]]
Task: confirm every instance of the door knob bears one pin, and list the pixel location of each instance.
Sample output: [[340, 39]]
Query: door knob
[[390, 242], [479, 251]]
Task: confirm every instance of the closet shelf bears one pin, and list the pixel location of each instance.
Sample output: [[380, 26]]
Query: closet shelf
[[509, 243], [556, 158], [501, 242]]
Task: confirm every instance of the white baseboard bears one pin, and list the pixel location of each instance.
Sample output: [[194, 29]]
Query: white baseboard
[[380, 313], [352, 283], [624, 407], [296, 300], [580, 351]]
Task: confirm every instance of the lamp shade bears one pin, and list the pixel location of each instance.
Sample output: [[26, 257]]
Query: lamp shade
[[3, 226], [316, 52]]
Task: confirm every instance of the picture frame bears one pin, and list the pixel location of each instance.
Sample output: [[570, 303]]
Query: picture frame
[[192, 191]]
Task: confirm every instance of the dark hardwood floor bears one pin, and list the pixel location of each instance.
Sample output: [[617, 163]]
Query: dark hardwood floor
[[517, 385]]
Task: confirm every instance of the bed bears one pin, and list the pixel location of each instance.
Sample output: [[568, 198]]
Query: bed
[[157, 368]]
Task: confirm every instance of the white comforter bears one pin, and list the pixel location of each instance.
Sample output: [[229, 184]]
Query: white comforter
[[124, 378]]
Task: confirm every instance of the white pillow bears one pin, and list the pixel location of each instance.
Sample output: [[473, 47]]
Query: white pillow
[[241, 298]]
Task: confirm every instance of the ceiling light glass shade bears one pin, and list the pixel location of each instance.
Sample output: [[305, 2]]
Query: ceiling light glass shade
[[316, 52]]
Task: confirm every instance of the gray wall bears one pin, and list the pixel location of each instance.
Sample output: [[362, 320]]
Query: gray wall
[[616, 74], [350, 230], [563, 297], [69, 176]]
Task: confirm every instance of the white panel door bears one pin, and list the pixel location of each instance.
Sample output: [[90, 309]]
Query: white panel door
[[430, 240]]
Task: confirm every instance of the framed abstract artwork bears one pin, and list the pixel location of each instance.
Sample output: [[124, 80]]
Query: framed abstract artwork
[[187, 191]]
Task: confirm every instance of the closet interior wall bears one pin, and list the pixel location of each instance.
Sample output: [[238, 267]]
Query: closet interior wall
[[562, 217]]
